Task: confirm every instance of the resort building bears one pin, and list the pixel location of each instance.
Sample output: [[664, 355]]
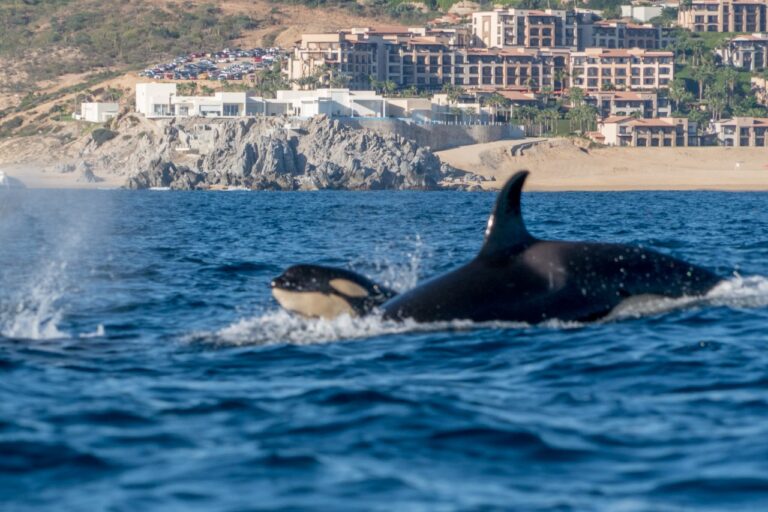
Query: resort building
[[333, 103], [622, 34], [97, 112], [658, 132], [627, 103], [529, 28], [362, 54], [159, 100], [723, 15], [634, 69], [427, 62], [747, 52], [742, 131]]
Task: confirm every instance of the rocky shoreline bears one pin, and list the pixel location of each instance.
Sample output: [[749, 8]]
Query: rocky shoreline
[[259, 154]]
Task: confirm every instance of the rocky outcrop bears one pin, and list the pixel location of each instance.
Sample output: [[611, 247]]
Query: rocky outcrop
[[267, 154]]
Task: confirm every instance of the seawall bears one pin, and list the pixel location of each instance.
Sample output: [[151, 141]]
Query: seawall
[[438, 137]]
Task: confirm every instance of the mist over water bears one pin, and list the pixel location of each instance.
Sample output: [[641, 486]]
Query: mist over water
[[144, 366]]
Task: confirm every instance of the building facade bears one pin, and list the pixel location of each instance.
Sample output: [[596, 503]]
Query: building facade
[[724, 16], [627, 103], [529, 28], [97, 112], [748, 52], [742, 131], [622, 34], [598, 69], [658, 132]]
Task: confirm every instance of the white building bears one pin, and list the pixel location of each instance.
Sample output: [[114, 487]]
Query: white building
[[157, 100], [333, 102], [644, 13], [154, 100], [97, 112]]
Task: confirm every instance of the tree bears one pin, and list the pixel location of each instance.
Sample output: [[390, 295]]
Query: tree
[[703, 75], [576, 96], [678, 94], [496, 101], [453, 92]]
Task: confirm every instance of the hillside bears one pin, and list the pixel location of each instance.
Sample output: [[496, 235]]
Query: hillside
[[56, 49]]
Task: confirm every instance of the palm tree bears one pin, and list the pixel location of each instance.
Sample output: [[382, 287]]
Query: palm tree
[[679, 94], [576, 96], [496, 101], [703, 76]]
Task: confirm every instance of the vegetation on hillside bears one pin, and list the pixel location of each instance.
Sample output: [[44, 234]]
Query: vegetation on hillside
[[703, 90], [108, 34]]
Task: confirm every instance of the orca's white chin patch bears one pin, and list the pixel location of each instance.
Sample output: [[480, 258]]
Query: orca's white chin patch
[[313, 304]]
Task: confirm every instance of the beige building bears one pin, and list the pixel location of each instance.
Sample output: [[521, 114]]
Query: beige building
[[635, 69], [626, 103], [426, 61], [530, 28], [747, 52], [658, 132], [361, 53], [622, 34], [742, 131], [723, 16]]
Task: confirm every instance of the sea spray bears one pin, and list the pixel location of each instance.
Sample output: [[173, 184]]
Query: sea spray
[[53, 236]]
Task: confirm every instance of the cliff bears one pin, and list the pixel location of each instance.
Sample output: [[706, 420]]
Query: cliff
[[260, 154]]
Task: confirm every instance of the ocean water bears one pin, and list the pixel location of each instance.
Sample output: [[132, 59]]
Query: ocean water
[[144, 366]]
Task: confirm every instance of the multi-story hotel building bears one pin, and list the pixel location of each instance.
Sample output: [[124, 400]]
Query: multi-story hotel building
[[627, 103], [621, 34], [742, 131], [748, 52], [530, 28], [426, 61], [429, 65], [361, 53], [659, 132], [724, 16], [598, 69]]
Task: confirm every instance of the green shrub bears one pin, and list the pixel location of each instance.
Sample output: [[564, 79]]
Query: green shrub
[[102, 135]]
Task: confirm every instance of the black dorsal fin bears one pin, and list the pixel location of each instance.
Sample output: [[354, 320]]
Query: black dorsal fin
[[506, 233]]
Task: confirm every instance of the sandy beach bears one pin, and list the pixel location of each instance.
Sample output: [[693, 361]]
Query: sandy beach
[[559, 164], [555, 165], [36, 176]]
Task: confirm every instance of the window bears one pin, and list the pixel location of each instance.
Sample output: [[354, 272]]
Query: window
[[231, 109]]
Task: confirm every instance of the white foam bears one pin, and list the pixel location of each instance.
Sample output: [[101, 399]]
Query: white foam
[[281, 327]]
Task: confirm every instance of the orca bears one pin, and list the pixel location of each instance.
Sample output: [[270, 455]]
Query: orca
[[327, 292], [517, 277]]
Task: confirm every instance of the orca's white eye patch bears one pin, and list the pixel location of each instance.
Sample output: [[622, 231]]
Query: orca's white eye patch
[[348, 288]]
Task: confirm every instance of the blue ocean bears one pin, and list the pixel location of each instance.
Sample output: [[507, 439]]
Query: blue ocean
[[145, 366]]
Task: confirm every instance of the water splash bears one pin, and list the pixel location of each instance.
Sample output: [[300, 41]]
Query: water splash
[[36, 311], [399, 274]]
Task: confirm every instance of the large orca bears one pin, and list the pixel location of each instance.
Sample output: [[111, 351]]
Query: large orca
[[517, 277]]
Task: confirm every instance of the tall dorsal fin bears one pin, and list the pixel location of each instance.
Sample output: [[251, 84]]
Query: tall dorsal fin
[[506, 233]]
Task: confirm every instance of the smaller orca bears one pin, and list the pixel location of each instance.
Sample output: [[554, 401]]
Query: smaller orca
[[327, 292]]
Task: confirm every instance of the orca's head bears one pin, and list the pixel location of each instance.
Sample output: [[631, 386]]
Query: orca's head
[[326, 292]]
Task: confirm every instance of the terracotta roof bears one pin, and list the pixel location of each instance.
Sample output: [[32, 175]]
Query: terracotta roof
[[518, 96], [668, 122], [621, 95], [616, 119]]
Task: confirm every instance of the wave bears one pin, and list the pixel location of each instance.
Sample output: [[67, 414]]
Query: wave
[[282, 327]]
